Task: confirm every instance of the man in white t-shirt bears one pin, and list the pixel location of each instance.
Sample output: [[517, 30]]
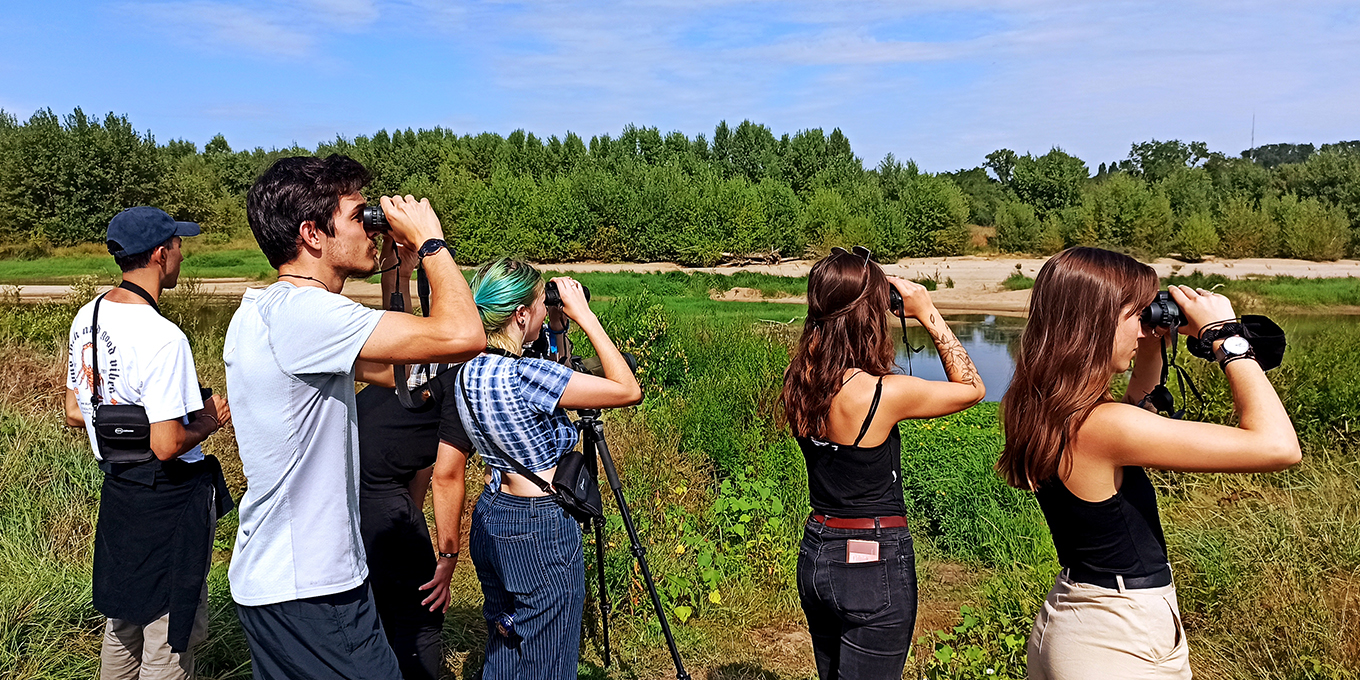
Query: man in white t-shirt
[[161, 496], [293, 353]]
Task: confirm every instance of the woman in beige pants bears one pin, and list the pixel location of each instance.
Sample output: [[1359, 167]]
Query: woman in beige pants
[[1112, 612]]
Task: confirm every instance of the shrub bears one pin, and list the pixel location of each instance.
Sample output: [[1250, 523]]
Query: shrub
[[1197, 237], [1310, 230], [1245, 231], [1017, 281], [1124, 212], [1017, 228]]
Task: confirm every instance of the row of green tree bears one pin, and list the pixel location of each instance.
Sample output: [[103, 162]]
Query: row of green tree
[[1289, 200], [647, 196]]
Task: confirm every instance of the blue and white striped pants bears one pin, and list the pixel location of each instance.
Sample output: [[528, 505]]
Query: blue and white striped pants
[[528, 557]]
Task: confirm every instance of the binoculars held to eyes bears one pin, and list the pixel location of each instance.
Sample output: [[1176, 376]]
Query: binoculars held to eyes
[[895, 301], [375, 220], [1163, 312], [552, 298]]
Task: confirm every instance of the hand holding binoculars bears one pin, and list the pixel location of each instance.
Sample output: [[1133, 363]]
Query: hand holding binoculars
[[553, 298]]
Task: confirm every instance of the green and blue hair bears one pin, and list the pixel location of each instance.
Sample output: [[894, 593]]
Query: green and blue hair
[[499, 288]]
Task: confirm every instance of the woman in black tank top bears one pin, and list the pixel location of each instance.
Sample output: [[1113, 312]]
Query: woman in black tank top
[[1112, 612], [856, 564]]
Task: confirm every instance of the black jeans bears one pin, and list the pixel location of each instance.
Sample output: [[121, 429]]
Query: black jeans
[[400, 560], [861, 616]]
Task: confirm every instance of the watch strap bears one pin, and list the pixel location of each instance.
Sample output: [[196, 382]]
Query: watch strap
[[433, 246], [1224, 357]]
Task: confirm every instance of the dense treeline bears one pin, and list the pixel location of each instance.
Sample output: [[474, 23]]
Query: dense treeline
[[648, 196], [1287, 200]]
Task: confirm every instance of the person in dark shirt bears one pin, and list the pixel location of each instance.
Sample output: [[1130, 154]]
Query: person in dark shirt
[[1112, 611], [856, 564], [400, 451]]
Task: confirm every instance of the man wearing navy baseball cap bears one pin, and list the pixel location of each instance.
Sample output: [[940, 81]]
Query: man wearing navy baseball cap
[[131, 383]]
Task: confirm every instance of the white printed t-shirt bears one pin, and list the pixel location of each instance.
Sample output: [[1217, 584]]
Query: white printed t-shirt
[[144, 359], [290, 354]]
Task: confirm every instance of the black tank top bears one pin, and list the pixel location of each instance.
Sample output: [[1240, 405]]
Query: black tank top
[[1119, 535], [853, 482]]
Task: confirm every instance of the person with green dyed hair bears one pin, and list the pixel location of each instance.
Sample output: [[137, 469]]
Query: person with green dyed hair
[[526, 548], [502, 287]]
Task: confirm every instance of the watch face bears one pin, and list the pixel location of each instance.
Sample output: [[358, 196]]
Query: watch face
[[1236, 345]]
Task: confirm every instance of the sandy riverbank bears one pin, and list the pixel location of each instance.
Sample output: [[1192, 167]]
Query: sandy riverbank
[[976, 279]]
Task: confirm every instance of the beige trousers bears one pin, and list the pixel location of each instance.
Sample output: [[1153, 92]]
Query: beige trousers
[[1085, 631], [132, 652]]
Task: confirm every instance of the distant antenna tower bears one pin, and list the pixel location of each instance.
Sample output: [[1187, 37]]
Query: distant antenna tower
[[1253, 135]]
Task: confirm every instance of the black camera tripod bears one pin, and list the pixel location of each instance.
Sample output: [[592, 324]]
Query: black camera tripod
[[595, 448]]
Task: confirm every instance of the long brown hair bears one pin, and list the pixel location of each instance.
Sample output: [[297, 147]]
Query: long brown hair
[[845, 328], [1062, 371]]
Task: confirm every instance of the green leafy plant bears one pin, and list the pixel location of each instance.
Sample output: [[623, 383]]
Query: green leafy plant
[[986, 643]]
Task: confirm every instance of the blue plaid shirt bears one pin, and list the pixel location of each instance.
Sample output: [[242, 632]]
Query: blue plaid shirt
[[514, 405]]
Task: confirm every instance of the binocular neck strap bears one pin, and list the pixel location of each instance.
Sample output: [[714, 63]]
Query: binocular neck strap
[[907, 343], [1182, 377], [401, 372]]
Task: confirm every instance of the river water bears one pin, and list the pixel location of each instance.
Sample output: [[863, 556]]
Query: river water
[[992, 341]]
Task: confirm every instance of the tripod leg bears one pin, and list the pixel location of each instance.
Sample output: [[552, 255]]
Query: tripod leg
[[635, 545], [604, 592]]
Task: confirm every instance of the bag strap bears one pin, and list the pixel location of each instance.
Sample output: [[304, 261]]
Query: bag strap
[[140, 292], [520, 468], [129, 286], [94, 351]]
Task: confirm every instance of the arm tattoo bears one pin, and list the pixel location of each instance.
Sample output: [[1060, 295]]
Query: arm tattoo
[[958, 366]]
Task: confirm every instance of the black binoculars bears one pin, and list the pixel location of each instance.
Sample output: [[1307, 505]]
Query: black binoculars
[[552, 298], [375, 220], [1163, 312], [895, 301]]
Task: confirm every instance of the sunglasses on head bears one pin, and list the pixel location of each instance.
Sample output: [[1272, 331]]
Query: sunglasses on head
[[857, 251]]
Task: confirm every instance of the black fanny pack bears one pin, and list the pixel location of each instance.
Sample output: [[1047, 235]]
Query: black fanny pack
[[575, 485], [122, 431]]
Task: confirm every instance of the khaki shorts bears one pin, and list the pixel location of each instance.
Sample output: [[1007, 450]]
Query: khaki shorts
[[1085, 631]]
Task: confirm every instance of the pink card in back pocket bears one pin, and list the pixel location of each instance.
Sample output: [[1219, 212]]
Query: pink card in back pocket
[[861, 551]]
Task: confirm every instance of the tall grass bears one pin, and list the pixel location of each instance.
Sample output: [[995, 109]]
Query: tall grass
[[1268, 566]]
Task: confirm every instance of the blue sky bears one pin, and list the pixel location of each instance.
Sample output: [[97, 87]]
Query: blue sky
[[943, 83]]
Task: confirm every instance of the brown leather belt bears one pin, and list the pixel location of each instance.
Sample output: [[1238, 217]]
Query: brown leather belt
[[894, 522]]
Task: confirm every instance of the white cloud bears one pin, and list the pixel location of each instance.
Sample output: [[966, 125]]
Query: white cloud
[[234, 28], [346, 13], [1091, 77], [259, 29], [940, 81]]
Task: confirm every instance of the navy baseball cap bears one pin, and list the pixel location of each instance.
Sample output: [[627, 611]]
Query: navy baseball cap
[[140, 229]]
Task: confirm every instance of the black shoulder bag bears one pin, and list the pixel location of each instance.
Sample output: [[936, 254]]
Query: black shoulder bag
[[122, 431], [575, 485]]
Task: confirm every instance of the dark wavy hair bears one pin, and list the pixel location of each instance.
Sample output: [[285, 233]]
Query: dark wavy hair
[[845, 328], [1062, 371], [295, 190]]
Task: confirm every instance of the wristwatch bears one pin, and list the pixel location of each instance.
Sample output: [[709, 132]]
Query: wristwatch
[[432, 246], [1232, 348]]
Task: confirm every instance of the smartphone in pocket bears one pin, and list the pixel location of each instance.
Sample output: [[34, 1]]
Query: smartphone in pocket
[[861, 551]]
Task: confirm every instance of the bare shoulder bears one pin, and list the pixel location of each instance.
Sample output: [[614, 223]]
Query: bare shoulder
[[1112, 424], [903, 383]]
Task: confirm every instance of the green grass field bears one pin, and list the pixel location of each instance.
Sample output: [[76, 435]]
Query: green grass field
[[1266, 564], [204, 264], [1280, 291]]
